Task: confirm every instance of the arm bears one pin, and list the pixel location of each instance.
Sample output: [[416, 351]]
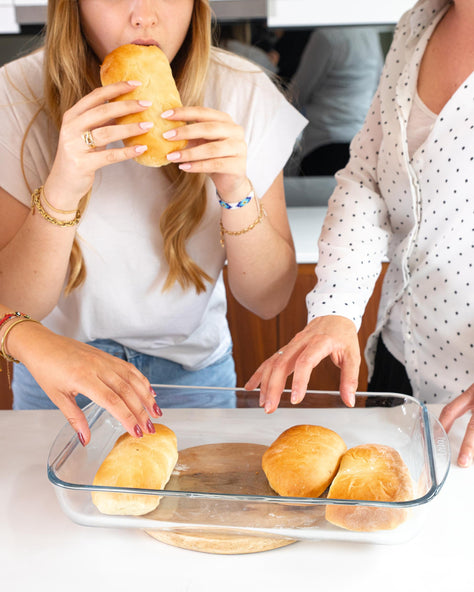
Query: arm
[[352, 245], [64, 368], [34, 253], [262, 265]]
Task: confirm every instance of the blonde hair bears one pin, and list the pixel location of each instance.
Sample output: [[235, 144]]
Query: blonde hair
[[72, 71]]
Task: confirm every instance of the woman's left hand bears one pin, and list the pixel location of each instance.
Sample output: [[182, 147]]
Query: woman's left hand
[[461, 405], [216, 147]]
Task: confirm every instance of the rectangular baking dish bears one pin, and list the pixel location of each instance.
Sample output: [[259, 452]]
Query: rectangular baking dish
[[228, 494]]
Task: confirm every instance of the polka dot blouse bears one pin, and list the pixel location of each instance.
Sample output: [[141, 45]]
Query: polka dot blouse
[[416, 211]]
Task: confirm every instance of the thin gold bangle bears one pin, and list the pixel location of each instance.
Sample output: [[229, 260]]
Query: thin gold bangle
[[51, 207], [3, 352], [36, 203], [261, 216]]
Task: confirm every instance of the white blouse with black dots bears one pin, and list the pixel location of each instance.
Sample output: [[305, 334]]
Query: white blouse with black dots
[[417, 211]]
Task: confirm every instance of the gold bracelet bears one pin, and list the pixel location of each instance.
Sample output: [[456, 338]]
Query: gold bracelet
[[51, 207], [3, 351], [261, 216], [36, 203]]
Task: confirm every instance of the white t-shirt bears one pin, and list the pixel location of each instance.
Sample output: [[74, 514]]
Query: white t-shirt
[[119, 234]]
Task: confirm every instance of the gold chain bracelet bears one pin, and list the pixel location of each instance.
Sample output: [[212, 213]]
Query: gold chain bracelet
[[261, 216], [36, 203]]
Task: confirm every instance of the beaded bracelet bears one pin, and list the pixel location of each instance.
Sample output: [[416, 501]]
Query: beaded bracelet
[[235, 205], [261, 216], [10, 315], [36, 203], [3, 353]]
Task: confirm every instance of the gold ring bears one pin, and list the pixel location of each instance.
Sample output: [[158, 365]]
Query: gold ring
[[89, 139]]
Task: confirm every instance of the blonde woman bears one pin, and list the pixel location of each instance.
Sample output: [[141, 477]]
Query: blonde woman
[[140, 275]]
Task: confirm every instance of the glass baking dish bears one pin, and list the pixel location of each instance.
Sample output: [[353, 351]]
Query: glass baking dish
[[218, 486]]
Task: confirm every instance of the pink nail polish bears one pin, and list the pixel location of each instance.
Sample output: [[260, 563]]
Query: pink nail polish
[[134, 82], [141, 149], [150, 427], [173, 155], [82, 440], [138, 431], [185, 166], [169, 134], [168, 113], [145, 103], [146, 125]]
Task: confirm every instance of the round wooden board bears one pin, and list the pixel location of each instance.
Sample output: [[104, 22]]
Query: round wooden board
[[219, 544], [232, 468]]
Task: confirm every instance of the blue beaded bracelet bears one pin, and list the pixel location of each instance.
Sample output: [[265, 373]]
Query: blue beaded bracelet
[[235, 205]]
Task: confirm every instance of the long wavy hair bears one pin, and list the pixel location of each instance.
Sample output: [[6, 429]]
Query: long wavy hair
[[72, 71]]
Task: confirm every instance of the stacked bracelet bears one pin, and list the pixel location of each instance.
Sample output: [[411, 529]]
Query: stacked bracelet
[[261, 216], [36, 204], [235, 205], [20, 318]]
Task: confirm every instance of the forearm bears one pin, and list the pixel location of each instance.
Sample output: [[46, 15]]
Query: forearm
[[34, 265], [261, 261]]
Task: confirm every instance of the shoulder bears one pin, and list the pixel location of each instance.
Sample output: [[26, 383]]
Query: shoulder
[[21, 81]]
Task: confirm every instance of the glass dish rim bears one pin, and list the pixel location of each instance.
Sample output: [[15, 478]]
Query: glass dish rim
[[276, 499]]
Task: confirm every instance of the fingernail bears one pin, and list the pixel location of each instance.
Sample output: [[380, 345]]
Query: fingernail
[[157, 410], [141, 148], [464, 460], [146, 125], [168, 113], [138, 431], [173, 155], [150, 427], [134, 82], [294, 397], [82, 440], [268, 408], [352, 399], [145, 103], [169, 134], [185, 166], [152, 391]]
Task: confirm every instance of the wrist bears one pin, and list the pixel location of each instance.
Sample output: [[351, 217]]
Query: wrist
[[229, 199]]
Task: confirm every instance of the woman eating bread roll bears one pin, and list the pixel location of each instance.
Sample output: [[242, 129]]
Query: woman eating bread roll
[[128, 257]]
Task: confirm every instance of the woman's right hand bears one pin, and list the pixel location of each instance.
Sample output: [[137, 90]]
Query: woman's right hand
[[333, 336], [64, 368], [75, 162]]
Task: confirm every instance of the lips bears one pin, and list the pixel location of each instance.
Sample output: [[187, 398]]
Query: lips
[[145, 42]]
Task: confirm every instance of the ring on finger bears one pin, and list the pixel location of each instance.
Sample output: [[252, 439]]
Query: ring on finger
[[89, 139]]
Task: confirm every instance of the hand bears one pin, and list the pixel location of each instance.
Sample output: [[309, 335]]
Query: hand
[[216, 147], [461, 405], [75, 163], [332, 336], [64, 368]]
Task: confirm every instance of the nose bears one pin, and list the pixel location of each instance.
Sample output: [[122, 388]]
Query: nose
[[144, 14]]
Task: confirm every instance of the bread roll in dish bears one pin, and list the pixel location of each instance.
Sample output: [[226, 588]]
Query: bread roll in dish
[[149, 65], [142, 463], [303, 460], [370, 472]]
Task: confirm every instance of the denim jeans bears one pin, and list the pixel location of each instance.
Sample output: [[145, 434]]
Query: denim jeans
[[27, 394]]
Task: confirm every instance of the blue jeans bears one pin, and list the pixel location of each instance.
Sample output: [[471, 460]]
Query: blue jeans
[[27, 394]]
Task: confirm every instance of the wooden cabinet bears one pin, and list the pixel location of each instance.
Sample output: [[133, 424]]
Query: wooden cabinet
[[255, 340]]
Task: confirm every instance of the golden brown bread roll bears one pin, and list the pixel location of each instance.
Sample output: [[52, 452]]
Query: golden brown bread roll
[[149, 65], [143, 463], [303, 460], [370, 472]]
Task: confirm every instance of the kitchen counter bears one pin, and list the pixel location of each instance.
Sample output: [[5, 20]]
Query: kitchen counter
[[41, 548], [306, 224]]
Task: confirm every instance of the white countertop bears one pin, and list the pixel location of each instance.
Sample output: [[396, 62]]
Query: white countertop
[[306, 224], [42, 549]]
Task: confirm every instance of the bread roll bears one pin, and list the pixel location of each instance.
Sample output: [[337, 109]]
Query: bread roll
[[303, 460], [149, 65], [370, 472], [143, 463]]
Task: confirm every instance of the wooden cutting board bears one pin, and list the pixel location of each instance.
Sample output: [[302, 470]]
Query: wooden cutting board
[[234, 468]]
